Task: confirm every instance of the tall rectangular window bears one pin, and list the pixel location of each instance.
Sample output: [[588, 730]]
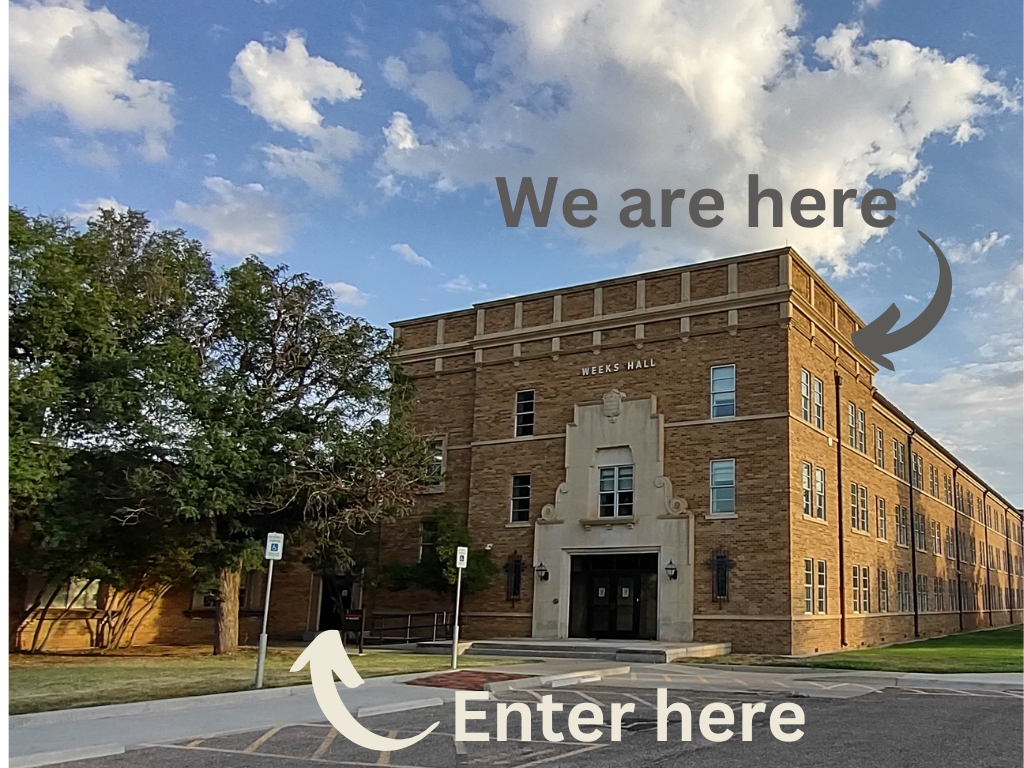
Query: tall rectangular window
[[970, 504], [856, 589], [615, 492], [723, 391], [933, 480], [899, 459], [902, 526], [819, 493], [805, 483], [881, 522], [935, 529], [864, 509], [947, 490], [959, 498], [435, 466], [822, 587], [525, 405], [805, 395], [938, 595], [952, 595], [883, 591], [723, 487], [520, 499], [919, 533], [922, 593], [808, 586], [851, 424], [854, 507], [950, 553], [862, 431], [917, 471], [879, 448], [819, 404], [865, 590]]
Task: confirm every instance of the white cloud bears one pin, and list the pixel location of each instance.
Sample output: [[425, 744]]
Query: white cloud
[[1007, 290], [240, 219], [408, 254], [87, 210], [463, 284], [959, 252], [80, 62], [425, 72], [348, 295], [88, 152], [659, 94], [283, 86]]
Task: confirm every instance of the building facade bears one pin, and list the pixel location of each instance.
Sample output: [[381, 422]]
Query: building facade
[[695, 453]]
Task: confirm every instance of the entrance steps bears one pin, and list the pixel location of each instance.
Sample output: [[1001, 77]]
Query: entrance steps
[[639, 651]]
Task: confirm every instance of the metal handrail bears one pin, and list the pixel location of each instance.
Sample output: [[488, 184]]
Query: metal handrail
[[403, 628]]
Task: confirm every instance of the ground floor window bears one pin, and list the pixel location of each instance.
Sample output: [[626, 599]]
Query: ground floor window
[[883, 591]]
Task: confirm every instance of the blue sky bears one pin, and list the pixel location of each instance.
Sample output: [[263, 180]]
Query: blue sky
[[359, 142]]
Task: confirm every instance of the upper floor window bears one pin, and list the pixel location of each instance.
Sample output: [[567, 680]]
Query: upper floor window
[[899, 459], [933, 480], [819, 404], [723, 487], [723, 391], [851, 423], [879, 448], [520, 499], [862, 430], [959, 498], [805, 395], [819, 493], [947, 489], [917, 471], [525, 405], [805, 483], [881, 524], [615, 492], [435, 467], [970, 504]]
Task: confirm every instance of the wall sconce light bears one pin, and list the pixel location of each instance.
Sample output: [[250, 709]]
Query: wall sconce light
[[542, 572], [672, 571]]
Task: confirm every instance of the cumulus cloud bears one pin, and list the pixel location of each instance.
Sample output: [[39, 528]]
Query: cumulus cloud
[[239, 219], [960, 252], [424, 71], [463, 284], [408, 254], [283, 86], [348, 295], [662, 94], [87, 210], [68, 58]]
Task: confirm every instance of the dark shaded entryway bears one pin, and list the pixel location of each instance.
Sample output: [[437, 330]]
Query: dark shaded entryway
[[614, 596]]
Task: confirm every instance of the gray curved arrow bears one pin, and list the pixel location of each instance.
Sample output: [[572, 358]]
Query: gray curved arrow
[[875, 339]]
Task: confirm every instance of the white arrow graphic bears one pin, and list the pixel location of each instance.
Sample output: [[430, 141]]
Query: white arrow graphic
[[326, 656]]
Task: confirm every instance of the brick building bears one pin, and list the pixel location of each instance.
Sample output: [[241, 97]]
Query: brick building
[[696, 453]]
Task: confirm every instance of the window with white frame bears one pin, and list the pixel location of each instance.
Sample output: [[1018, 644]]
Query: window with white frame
[[917, 471], [903, 591], [822, 587], [938, 595], [819, 404], [615, 491], [807, 490], [520, 511], [947, 489], [902, 526], [808, 586], [856, 589], [970, 504], [819, 493], [920, 537], [935, 529], [723, 391], [851, 424], [858, 507], [723, 487], [880, 522], [863, 509], [865, 589], [525, 411], [879, 448], [953, 595], [805, 395], [862, 432], [933, 480], [950, 553], [922, 593], [883, 591], [959, 498], [899, 459]]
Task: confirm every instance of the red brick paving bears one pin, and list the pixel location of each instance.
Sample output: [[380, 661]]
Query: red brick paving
[[465, 680]]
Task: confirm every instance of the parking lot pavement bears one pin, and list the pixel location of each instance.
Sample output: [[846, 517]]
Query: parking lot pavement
[[895, 727]]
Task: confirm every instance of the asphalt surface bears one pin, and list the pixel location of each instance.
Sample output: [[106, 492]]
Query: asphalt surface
[[899, 728]]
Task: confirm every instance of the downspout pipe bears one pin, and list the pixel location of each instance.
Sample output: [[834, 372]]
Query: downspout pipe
[[839, 510], [988, 557], [956, 548], [913, 535]]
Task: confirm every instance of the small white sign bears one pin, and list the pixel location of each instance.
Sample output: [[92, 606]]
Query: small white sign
[[275, 546], [461, 556]]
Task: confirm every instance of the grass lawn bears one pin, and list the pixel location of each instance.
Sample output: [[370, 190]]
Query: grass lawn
[[62, 680], [994, 650]]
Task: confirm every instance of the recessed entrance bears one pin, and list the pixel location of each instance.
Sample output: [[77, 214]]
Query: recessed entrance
[[614, 596]]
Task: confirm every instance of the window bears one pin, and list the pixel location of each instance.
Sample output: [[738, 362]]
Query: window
[[922, 593], [865, 591], [514, 568], [615, 492], [851, 419], [856, 589], [938, 595], [525, 410], [916, 471], [822, 587], [903, 591], [879, 448], [861, 432], [864, 509], [972, 554], [723, 487], [933, 481], [935, 529], [808, 586], [947, 489], [805, 395], [899, 459], [720, 576], [428, 538], [435, 467], [520, 499], [880, 524], [919, 533], [858, 507], [819, 493], [959, 498], [883, 591], [819, 404], [805, 483], [953, 595], [970, 504], [76, 593], [902, 527], [723, 391]]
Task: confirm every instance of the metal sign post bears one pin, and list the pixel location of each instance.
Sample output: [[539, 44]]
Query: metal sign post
[[275, 548], [461, 558]]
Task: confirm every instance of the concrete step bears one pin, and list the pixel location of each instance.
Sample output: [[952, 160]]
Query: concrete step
[[640, 652]]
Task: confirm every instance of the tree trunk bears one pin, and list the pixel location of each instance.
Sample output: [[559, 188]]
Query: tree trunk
[[20, 534], [225, 631]]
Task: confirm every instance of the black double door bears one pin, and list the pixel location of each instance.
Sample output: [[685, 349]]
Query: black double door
[[614, 596]]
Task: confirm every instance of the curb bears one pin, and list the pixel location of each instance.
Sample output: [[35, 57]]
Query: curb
[[65, 755], [556, 681], [386, 709], [238, 698]]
